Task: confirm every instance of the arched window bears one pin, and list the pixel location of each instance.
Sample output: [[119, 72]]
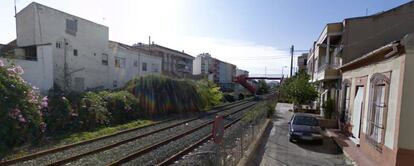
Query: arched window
[[377, 115], [346, 93]]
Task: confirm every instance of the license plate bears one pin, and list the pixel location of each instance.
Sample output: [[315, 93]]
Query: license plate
[[307, 137]]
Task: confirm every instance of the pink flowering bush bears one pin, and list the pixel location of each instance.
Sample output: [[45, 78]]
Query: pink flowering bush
[[59, 115], [122, 105], [20, 109], [92, 111]]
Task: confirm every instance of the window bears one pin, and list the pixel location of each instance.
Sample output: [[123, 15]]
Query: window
[[119, 62], [115, 84], [75, 52], [135, 63], [58, 44], [305, 61], [30, 53], [377, 109], [105, 59], [71, 26], [144, 66], [154, 68], [346, 93]]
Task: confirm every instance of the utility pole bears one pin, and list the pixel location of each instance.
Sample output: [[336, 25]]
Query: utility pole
[[292, 49]]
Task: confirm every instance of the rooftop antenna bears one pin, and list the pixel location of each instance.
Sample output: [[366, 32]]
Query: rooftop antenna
[[15, 9], [15, 18]]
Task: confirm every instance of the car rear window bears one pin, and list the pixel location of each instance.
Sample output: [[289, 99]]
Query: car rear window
[[305, 120]]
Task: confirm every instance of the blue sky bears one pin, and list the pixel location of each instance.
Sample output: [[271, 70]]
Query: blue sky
[[253, 34]]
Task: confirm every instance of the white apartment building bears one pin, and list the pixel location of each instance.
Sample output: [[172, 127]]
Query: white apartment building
[[57, 49], [129, 62]]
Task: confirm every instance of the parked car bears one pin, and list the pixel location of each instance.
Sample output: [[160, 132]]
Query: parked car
[[305, 127]]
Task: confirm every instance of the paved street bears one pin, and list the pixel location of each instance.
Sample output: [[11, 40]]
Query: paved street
[[277, 150]]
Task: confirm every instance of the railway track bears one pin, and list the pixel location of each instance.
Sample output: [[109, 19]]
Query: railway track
[[68, 153], [165, 151]]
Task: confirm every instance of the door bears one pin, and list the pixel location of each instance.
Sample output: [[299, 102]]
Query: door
[[356, 114], [79, 84]]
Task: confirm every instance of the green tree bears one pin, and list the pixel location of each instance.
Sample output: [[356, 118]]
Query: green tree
[[262, 87], [298, 90], [209, 92]]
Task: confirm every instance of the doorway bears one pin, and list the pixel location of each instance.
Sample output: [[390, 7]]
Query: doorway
[[357, 113]]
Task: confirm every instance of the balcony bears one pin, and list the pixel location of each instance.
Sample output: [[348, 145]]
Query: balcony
[[327, 72]]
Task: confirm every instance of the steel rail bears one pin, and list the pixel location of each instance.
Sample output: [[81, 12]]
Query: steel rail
[[65, 147], [190, 148], [168, 140]]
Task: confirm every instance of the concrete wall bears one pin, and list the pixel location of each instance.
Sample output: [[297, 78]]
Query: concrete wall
[[37, 73], [197, 65], [391, 65], [362, 35], [121, 75], [406, 134], [90, 41]]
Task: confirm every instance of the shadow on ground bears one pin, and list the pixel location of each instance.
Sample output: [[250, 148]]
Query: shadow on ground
[[262, 146], [328, 147]]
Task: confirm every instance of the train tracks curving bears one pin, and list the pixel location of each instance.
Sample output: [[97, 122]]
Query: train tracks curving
[[113, 148]]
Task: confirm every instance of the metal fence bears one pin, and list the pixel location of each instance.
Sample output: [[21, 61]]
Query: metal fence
[[236, 142]]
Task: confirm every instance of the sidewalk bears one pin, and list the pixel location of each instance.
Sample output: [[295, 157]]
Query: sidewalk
[[349, 148]]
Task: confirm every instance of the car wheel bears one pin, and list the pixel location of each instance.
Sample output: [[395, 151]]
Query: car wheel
[[290, 139]]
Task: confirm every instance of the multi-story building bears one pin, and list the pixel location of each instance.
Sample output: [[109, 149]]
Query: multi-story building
[[63, 51], [174, 63], [362, 65], [303, 62], [323, 65], [215, 70], [240, 72], [129, 62], [342, 42]]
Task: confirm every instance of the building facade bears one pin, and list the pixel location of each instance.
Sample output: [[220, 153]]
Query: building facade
[[175, 63], [376, 101], [222, 73], [342, 42], [59, 50], [303, 62]]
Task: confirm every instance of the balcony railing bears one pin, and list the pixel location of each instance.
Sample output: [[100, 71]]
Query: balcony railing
[[334, 65], [338, 50]]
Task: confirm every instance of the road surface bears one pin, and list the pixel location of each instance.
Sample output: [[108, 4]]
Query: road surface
[[276, 149]]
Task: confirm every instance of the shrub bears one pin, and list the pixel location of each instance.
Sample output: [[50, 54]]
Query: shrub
[[160, 95], [92, 111], [59, 115], [209, 92], [122, 105], [328, 108], [20, 116], [262, 87]]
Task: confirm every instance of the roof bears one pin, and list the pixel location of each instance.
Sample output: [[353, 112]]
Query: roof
[[130, 48], [383, 12], [373, 56], [35, 3], [8, 47], [165, 48]]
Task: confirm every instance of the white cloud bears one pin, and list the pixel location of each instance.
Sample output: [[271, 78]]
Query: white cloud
[[246, 55]]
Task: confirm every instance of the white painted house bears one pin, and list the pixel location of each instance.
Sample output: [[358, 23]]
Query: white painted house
[[377, 101], [66, 51], [129, 62]]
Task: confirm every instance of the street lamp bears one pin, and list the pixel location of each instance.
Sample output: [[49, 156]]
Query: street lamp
[[282, 70]]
